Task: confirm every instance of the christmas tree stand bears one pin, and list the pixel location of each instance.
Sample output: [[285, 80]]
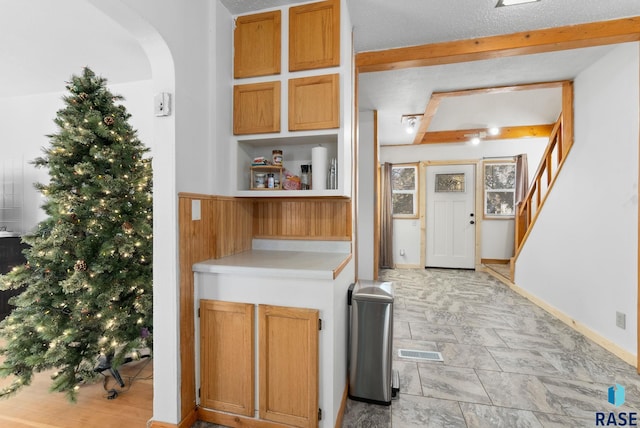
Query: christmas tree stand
[[104, 364]]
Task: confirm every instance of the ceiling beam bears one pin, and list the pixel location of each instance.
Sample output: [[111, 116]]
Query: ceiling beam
[[523, 43], [506, 133], [437, 97], [501, 89], [432, 107]]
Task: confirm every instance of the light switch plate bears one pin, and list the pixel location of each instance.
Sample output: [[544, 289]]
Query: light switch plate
[[195, 209]]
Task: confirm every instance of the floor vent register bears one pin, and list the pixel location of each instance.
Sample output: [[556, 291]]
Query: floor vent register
[[420, 355]]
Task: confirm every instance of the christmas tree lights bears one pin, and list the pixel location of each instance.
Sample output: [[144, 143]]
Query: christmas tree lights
[[88, 276]]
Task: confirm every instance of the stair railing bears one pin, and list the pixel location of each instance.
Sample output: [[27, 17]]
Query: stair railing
[[544, 178]]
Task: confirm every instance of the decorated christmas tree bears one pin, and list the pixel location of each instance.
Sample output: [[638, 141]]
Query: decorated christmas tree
[[88, 277]]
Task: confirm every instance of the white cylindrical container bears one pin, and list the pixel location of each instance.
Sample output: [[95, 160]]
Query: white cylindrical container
[[319, 168]]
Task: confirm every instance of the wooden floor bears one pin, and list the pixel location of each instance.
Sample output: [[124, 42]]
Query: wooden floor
[[35, 407]]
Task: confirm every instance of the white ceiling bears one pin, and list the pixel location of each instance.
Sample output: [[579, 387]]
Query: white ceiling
[[407, 91], [44, 42]]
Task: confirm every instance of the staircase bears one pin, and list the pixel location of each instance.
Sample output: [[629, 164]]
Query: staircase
[[560, 141]]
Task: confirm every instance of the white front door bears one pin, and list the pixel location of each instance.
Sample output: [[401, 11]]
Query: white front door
[[451, 218]]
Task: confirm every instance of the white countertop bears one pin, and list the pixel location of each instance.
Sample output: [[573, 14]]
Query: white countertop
[[278, 263]]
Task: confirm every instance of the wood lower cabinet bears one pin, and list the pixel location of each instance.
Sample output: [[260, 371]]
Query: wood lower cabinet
[[227, 356], [288, 365], [287, 359]]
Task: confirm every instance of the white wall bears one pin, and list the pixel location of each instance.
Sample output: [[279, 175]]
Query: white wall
[[222, 100], [496, 235], [406, 239], [366, 195], [30, 120], [179, 40], [582, 254]]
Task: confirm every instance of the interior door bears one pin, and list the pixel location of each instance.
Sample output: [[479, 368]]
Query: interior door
[[451, 219]]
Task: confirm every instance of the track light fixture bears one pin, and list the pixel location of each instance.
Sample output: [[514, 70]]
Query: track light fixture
[[410, 122]]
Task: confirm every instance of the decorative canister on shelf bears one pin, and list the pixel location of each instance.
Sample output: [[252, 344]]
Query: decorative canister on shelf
[[259, 180], [277, 157]]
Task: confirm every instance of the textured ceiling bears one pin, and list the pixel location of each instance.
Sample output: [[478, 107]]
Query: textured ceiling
[[383, 24], [407, 91]]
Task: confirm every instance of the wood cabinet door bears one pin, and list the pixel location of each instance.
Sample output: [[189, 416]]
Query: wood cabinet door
[[256, 44], [256, 108], [227, 356], [314, 102], [314, 35], [288, 365]]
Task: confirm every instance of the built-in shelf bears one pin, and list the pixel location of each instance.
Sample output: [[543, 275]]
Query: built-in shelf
[[296, 151], [295, 108]]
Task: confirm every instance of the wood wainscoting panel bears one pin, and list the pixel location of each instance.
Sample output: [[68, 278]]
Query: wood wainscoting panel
[[194, 245], [320, 219], [232, 231], [223, 228]]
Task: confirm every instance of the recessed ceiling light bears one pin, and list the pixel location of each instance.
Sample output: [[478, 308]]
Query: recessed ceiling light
[[475, 141], [513, 2], [494, 130]]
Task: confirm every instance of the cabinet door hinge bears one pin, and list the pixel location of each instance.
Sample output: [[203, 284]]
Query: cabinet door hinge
[[198, 312], [199, 392], [319, 323], [319, 414]]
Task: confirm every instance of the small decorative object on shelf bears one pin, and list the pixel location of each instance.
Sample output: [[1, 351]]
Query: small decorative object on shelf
[[332, 179], [277, 157], [259, 180], [304, 177], [266, 177]]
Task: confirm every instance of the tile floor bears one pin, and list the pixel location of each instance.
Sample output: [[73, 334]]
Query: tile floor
[[507, 363]]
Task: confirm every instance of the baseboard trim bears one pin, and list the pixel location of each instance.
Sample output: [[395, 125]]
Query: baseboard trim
[[186, 422], [232, 420], [237, 421], [399, 266], [343, 405], [495, 261], [615, 349]]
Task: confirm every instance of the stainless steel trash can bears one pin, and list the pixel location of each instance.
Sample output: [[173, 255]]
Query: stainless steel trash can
[[371, 342]]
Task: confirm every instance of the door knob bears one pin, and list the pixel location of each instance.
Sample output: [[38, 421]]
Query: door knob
[[472, 222]]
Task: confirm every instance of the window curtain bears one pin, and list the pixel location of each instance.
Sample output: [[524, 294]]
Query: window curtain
[[386, 218], [522, 178]]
